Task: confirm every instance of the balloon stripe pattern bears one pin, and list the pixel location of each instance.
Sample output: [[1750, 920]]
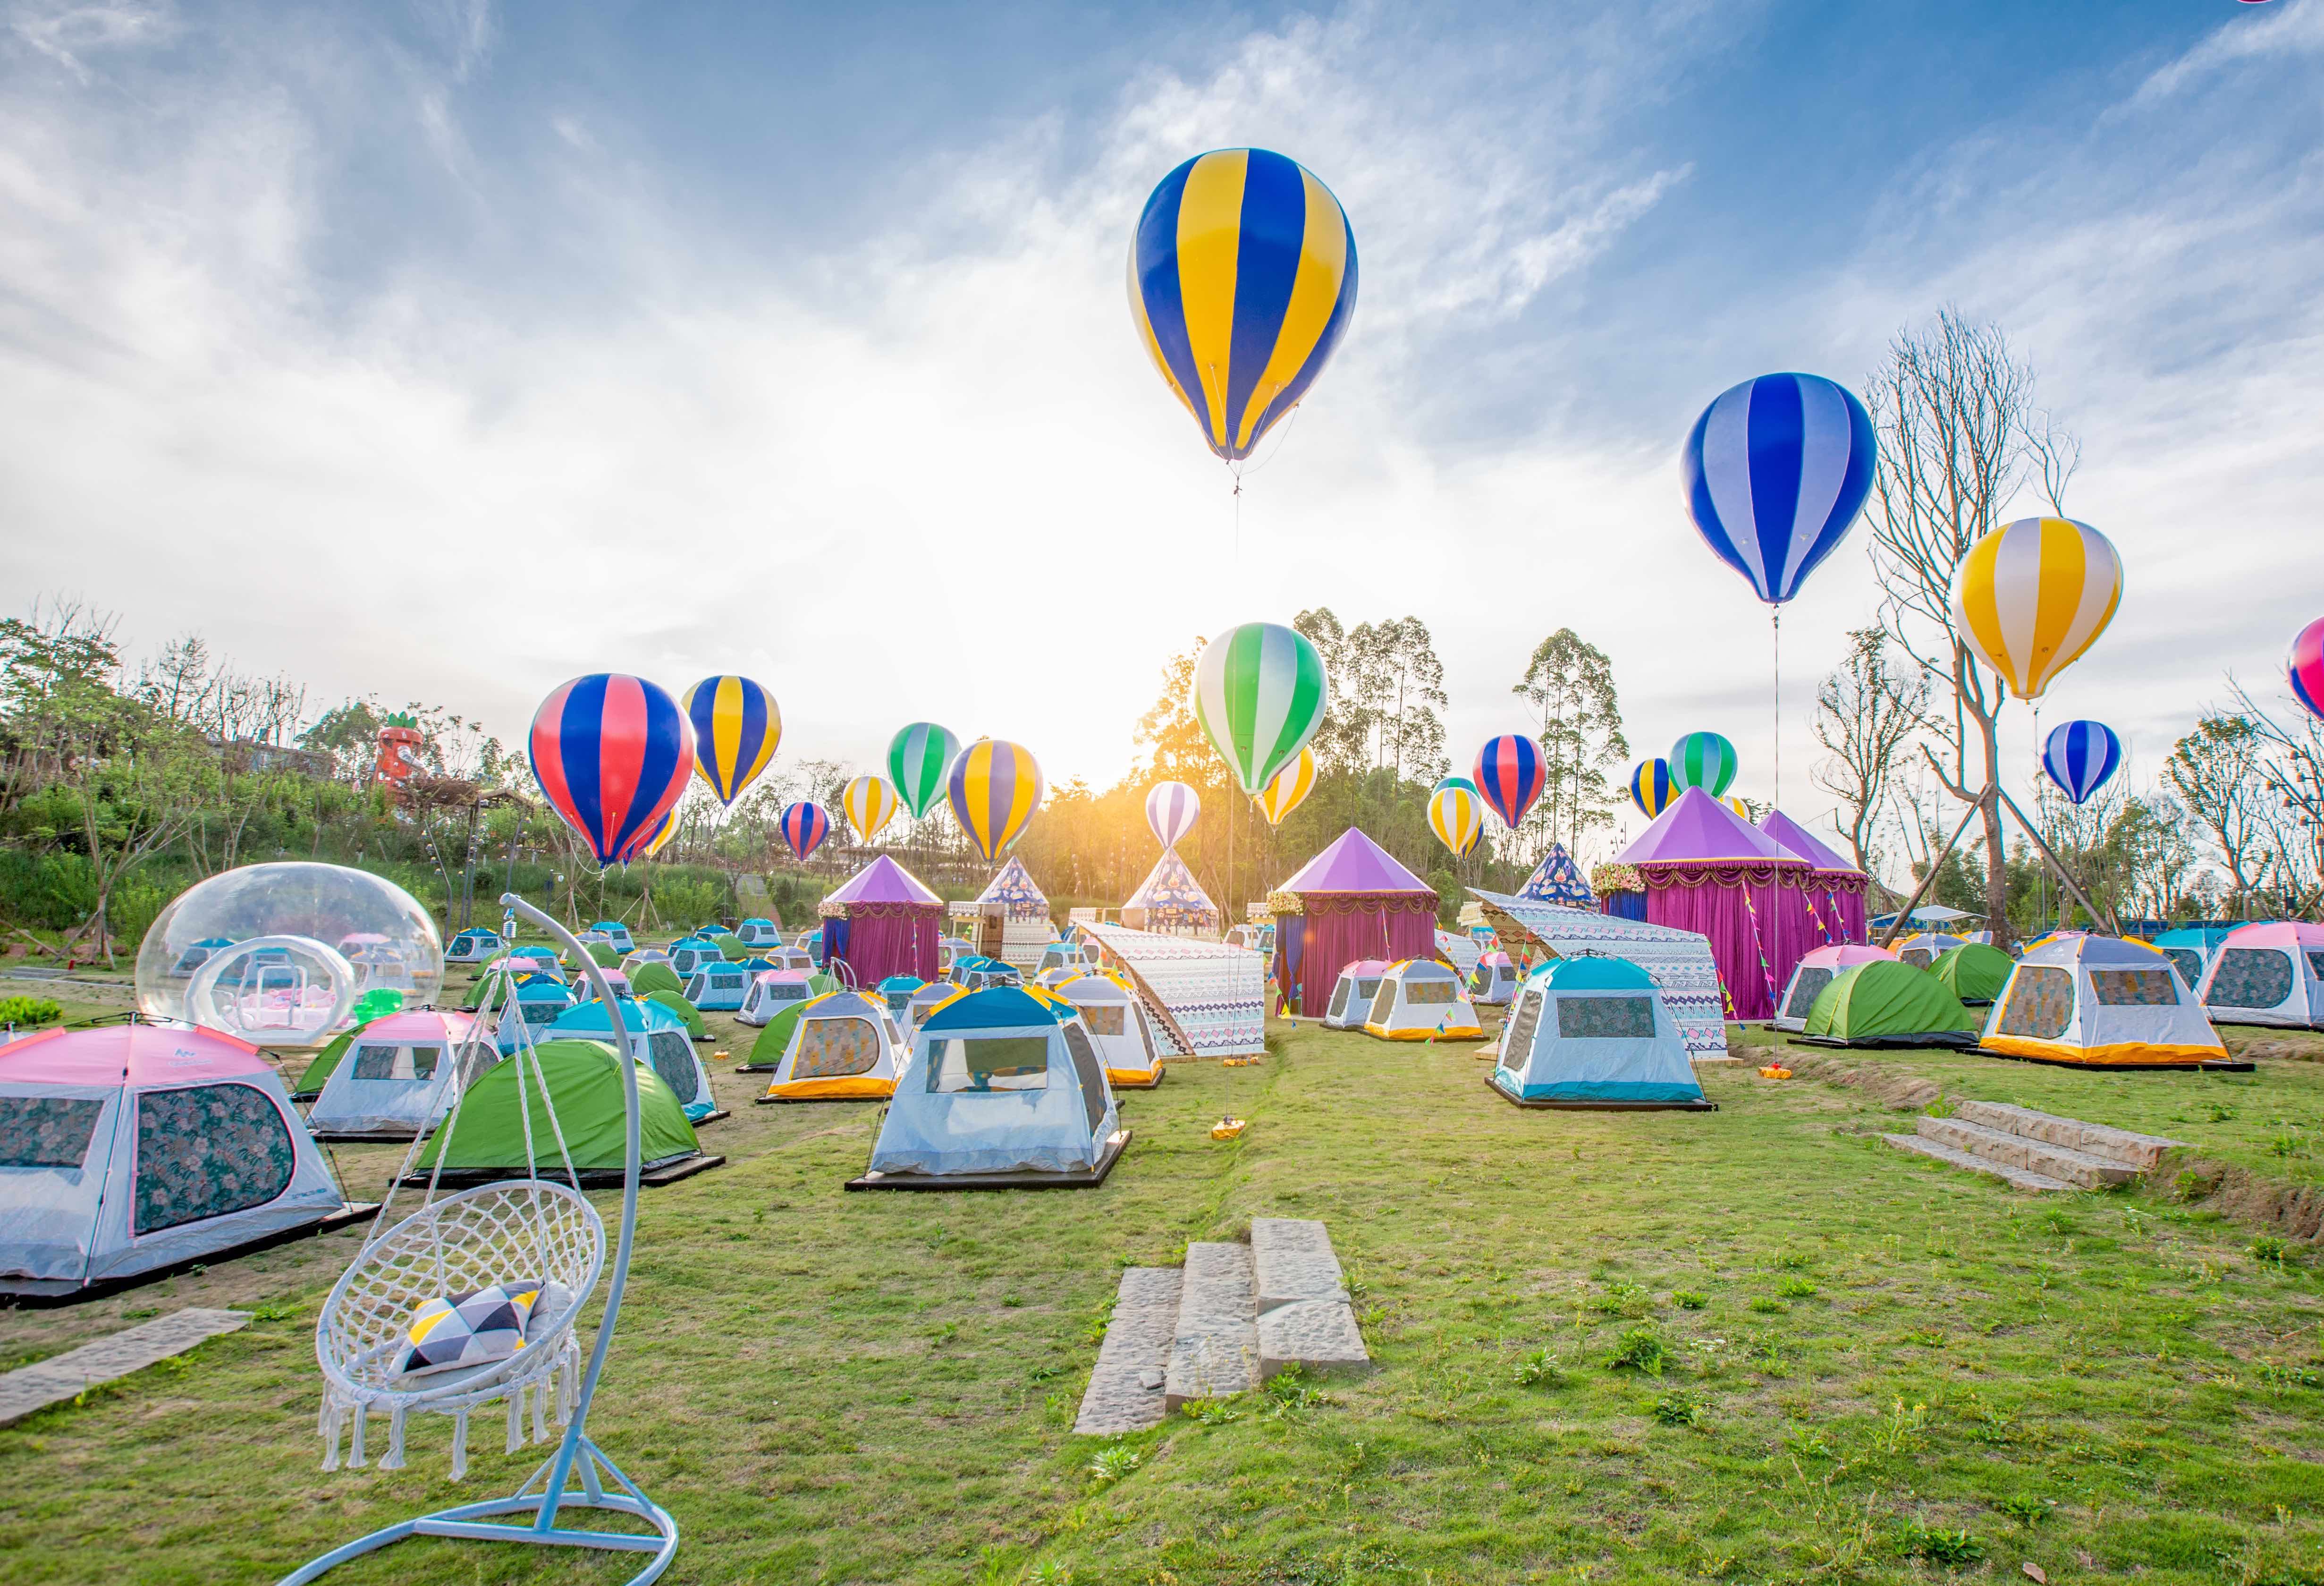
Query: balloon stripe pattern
[[1775, 471], [804, 825], [2030, 597], [1242, 279], [1259, 694], [869, 803], [994, 787], [2303, 669], [658, 838], [1651, 787], [1289, 789], [2079, 757], [1457, 816], [1704, 761], [1171, 810], [736, 727], [612, 754], [917, 758], [1511, 776]]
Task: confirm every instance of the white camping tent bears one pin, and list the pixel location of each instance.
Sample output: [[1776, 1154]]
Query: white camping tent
[[396, 1078], [1353, 994], [1003, 1082], [1493, 981], [1421, 1000], [2102, 1002], [846, 1048], [1118, 1022], [1923, 948], [1593, 1033], [2268, 975], [133, 1147]]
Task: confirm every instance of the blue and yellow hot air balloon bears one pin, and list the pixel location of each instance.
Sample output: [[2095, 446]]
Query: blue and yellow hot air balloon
[[994, 788], [736, 727], [1651, 787], [1242, 279]]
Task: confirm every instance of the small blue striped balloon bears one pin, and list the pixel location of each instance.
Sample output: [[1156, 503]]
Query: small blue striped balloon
[[1775, 471], [2080, 756]]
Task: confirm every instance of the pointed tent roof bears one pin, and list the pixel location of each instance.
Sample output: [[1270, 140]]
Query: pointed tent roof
[[1355, 863], [1014, 887], [883, 881], [1558, 880], [1171, 888], [1804, 843], [1697, 829]]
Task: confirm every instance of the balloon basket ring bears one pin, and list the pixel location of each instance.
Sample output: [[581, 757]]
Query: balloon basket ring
[[1227, 1129]]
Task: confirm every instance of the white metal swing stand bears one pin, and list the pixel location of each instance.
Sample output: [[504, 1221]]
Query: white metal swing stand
[[578, 1475]]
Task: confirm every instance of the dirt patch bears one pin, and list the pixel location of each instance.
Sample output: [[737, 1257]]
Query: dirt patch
[[1900, 1093], [2248, 1197]]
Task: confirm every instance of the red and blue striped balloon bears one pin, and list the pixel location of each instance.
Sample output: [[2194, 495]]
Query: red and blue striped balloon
[[2080, 756], [1775, 471], [2303, 669], [612, 754], [1511, 776], [804, 826]]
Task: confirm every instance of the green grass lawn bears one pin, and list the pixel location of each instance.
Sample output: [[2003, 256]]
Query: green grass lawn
[[1749, 1345]]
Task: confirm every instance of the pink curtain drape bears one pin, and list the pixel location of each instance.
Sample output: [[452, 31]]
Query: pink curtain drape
[[885, 939], [1341, 928], [1756, 916]]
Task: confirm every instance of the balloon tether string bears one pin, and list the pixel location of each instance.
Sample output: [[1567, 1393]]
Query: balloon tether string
[[1776, 627]]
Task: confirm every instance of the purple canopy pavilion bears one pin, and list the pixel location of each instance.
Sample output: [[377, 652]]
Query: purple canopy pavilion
[[1352, 902], [882, 921]]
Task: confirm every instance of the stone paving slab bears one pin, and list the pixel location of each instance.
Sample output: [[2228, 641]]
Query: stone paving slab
[[1125, 1390], [62, 1376], [1214, 1348], [2138, 1151], [1292, 1260], [2016, 1178], [1316, 1335], [2026, 1151]]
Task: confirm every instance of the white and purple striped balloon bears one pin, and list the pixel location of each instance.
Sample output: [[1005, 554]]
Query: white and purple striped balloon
[[1172, 809]]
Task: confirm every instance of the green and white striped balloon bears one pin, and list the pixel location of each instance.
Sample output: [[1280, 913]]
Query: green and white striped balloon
[[1259, 693], [918, 759], [1704, 761]]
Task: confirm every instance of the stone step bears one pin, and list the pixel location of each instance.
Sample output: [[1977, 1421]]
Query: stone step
[[1304, 1316], [2139, 1151], [1125, 1390], [2026, 1153], [2014, 1178], [62, 1376], [1214, 1347]]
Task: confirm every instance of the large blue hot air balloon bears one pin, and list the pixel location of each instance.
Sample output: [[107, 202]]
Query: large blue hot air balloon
[[2079, 757], [1775, 470]]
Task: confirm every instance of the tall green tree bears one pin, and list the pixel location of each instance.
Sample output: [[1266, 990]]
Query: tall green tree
[[1570, 683]]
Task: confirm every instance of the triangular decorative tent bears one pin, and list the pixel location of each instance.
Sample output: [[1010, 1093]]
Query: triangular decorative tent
[[1171, 901], [1013, 917], [2269, 974], [882, 921], [1558, 880], [1812, 973], [2100, 1001], [1592, 1033], [1885, 1003], [1013, 890], [1709, 870], [1836, 888], [1352, 902]]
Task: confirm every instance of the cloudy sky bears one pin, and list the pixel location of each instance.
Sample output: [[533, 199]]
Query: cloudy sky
[[443, 351]]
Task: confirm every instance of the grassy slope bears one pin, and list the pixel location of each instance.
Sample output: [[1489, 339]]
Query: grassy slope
[[869, 1388]]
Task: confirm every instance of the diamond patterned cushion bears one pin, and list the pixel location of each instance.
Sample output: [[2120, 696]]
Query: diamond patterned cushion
[[472, 1328]]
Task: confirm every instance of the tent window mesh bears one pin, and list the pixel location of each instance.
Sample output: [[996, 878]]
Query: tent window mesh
[[1383, 1002], [2189, 962], [1807, 985], [1429, 993], [1104, 1019], [2316, 963], [209, 1151], [992, 1063], [1339, 1000], [376, 1062], [47, 1131], [833, 1048], [1517, 1042], [1093, 1077], [1918, 957], [1600, 1018], [673, 1058], [2040, 1004], [2134, 988], [2251, 977]]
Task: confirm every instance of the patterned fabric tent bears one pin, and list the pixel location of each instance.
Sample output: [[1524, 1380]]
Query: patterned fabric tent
[[1558, 880], [1171, 899], [1013, 888]]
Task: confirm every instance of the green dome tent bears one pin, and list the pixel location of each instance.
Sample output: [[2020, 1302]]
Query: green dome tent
[[680, 1006], [651, 977], [1974, 971], [1888, 1003], [585, 1086], [733, 949]]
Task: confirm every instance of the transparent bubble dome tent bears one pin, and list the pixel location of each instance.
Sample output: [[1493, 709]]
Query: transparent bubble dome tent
[[278, 954]]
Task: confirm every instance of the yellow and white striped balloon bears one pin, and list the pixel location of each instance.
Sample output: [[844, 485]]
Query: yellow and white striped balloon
[[1289, 789], [1457, 816], [2030, 597], [870, 803]]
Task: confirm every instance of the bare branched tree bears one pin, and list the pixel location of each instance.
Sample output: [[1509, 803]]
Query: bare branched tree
[[1959, 436], [1866, 715]]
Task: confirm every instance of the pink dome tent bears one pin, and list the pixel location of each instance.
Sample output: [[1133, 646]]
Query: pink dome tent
[[1352, 902], [882, 921], [1709, 870], [1836, 893]]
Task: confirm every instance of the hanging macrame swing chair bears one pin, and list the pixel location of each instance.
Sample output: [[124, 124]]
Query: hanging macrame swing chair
[[532, 1229]]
